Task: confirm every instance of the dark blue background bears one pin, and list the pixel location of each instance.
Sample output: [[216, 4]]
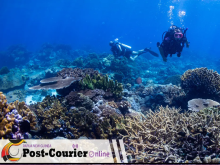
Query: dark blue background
[[93, 23]]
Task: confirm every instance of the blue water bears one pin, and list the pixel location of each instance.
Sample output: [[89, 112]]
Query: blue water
[[91, 24]]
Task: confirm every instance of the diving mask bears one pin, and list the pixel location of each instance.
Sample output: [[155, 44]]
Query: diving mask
[[178, 35]]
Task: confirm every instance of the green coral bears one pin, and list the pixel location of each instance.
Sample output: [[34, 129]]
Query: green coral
[[213, 112], [102, 82]]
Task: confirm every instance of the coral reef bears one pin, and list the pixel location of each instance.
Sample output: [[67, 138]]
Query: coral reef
[[4, 70], [26, 113], [104, 83], [90, 79], [16, 119], [78, 61], [79, 100], [201, 83], [157, 95], [93, 61], [50, 112], [75, 117], [166, 136]]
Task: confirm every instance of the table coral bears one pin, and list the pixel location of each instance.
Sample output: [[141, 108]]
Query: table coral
[[199, 104]]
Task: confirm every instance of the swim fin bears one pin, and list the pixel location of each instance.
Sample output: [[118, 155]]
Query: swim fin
[[152, 52]]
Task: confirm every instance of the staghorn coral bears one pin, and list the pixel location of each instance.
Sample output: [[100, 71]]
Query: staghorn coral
[[166, 136], [212, 112], [202, 83]]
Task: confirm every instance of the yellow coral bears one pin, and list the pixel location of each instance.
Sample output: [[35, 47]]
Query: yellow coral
[[3, 100]]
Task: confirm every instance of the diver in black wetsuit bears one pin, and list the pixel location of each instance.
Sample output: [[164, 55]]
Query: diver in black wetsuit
[[119, 49], [173, 42]]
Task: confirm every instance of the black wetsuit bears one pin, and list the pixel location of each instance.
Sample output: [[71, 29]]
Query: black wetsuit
[[172, 46], [119, 50]]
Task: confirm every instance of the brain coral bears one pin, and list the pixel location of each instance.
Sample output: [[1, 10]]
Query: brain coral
[[201, 82]]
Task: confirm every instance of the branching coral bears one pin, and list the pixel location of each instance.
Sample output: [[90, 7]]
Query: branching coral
[[166, 136]]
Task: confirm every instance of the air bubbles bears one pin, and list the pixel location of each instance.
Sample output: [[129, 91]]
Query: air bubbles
[[159, 4], [181, 14], [170, 14]]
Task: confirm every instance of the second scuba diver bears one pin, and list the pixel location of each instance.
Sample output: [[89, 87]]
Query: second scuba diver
[[173, 42], [119, 49]]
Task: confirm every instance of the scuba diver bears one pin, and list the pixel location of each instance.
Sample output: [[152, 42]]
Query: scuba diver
[[119, 49], [173, 42]]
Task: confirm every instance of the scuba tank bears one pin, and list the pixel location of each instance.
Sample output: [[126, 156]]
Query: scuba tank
[[126, 46]]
